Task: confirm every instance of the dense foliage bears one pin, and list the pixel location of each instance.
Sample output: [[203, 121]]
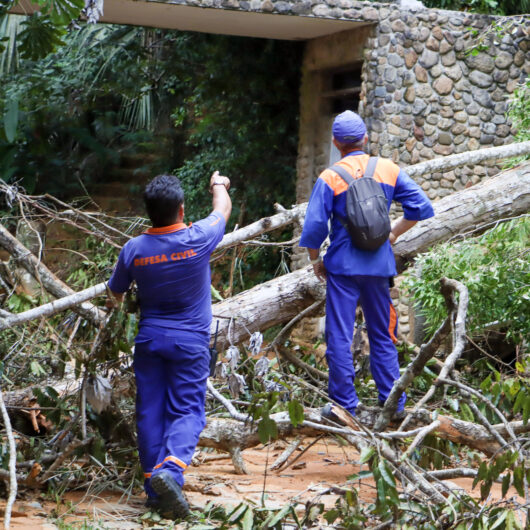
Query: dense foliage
[[492, 7], [495, 269], [199, 102]]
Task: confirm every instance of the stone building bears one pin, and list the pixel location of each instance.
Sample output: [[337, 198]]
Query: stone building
[[405, 68]]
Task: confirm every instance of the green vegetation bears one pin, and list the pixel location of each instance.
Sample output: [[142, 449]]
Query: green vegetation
[[495, 269], [490, 7]]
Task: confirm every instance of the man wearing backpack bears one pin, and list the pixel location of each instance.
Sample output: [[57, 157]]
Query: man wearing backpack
[[359, 262]]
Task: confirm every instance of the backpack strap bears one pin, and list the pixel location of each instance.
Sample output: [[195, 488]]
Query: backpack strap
[[343, 173], [370, 167]]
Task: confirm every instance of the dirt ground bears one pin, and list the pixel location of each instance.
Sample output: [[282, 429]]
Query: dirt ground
[[324, 465]]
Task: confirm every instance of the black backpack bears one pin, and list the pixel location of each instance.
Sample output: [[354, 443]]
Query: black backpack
[[367, 220]]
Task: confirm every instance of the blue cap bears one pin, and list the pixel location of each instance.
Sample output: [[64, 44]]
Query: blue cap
[[348, 127]]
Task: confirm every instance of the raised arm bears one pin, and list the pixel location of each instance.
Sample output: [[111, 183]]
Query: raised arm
[[221, 201]]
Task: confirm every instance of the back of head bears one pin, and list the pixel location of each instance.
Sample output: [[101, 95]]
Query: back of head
[[163, 197], [349, 129]]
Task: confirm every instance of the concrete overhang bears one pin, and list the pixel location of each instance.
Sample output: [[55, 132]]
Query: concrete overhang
[[170, 15]]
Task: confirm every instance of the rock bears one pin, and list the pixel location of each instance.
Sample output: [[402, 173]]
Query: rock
[[499, 119], [503, 60], [418, 133], [474, 132], [501, 76], [458, 128], [428, 58], [482, 62], [436, 71], [282, 7], [410, 94], [483, 98], [443, 149], [380, 92], [445, 47], [461, 116], [437, 32], [398, 26], [390, 74], [454, 72], [432, 44], [446, 112], [449, 58], [410, 143], [424, 34], [418, 107], [518, 58], [480, 79], [410, 58], [395, 60], [498, 95], [421, 74], [429, 129], [267, 6], [503, 130], [384, 27], [321, 10], [445, 138], [459, 138], [423, 90], [486, 139], [443, 85], [369, 13], [444, 124], [302, 8]]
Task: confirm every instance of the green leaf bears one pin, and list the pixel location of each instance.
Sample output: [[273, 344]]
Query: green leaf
[[519, 401], [386, 473], [39, 37], [366, 454], [500, 519], [485, 488], [11, 119], [526, 409], [247, 523], [482, 473], [275, 519], [296, 412], [518, 479], [505, 484], [467, 414], [267, 430]]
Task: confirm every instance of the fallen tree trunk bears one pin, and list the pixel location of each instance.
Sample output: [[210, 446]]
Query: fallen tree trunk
[[279, 300], [45, 277], [505, 195]]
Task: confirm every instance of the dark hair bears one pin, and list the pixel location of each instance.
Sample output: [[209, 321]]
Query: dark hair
[[163, 197]]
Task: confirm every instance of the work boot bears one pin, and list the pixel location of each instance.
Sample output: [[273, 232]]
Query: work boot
[[172, 503], [398, 416]]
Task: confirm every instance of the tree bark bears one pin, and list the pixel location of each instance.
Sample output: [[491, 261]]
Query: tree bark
[[505, 195], [281, 299], [49, 281]]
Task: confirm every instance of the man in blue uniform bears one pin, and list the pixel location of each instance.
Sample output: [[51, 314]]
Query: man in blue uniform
[[356, 275], [170, 265]]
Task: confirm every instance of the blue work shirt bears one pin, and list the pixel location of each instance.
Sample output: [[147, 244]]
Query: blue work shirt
[[328, 201], [172, 271]]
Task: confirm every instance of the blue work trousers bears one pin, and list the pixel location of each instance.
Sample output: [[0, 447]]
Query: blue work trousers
[[343, 293], [170, 397]]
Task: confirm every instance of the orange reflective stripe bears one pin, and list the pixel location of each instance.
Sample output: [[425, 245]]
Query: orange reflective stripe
[[385, 172], [173, 459], [147, 475], [392, 323], [166, 229]]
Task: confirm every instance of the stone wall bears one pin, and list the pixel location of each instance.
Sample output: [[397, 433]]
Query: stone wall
[[423, 95]]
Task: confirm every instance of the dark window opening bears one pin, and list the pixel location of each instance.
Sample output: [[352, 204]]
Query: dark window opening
[[344, 88]]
